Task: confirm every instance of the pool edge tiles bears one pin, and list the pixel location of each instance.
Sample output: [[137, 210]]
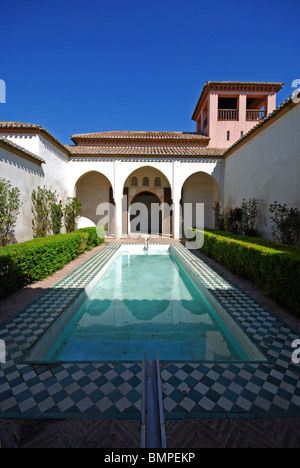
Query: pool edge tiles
[[104, 326], [244, 341], [49, 336]]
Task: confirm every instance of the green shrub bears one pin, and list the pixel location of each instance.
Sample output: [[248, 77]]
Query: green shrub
[[219, 216], [72, 212], [93, 240], [35, 260], [32, 261], [286, 223], [56, 217], [238, 220], [233, 220], [255, 240], [274, 268], [249, 217], [42, 201], [9, 210]]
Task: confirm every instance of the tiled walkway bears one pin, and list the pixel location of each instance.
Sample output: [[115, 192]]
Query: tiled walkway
[[199, 390], [234, 390], [63, 390]]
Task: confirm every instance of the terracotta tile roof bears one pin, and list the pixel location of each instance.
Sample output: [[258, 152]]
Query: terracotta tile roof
[[128, 135], [231, 85], [274, 115], [19, 127], [10, 146], [158, 151]]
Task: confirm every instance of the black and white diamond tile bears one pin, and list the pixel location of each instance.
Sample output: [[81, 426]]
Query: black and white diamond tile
[[247, 389], [63, 390]]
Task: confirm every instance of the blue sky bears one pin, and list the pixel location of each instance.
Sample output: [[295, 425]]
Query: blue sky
[[99, 65]]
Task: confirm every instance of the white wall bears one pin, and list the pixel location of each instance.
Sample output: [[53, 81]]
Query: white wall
[[267, 167], [201, 188], [56, 168], [92, 190], [29, 141], [27, 175]]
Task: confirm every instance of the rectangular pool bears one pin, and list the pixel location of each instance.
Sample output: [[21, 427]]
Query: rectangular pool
[[146, 302]]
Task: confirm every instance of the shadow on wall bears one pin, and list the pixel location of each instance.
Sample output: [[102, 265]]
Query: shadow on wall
[[23, 164], [48, 148]]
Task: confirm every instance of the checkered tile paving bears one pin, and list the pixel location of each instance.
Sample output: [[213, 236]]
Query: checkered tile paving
[[250, 389], [266, 389], [63, 390]]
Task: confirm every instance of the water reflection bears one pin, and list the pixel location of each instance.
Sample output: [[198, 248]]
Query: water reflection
[[144, 304]]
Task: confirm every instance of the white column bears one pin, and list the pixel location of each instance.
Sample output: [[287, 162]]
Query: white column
[[176, 196], [177, 220], [118, 217]]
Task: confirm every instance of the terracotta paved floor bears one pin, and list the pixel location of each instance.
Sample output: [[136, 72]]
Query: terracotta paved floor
[[270, 433], [254, 433], [184, 434]]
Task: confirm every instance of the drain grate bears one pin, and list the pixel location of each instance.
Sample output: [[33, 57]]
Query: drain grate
[[153, 431]]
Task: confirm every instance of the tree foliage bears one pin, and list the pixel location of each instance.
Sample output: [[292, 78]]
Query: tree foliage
[[72, 211], [10, 205], [286, 223]]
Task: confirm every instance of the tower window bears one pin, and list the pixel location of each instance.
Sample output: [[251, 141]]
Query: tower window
[[134, 181], [157, 182], [228, 108], [228, 136], [146, 182]]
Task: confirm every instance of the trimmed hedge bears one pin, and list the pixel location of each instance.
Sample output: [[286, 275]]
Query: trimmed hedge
[[256, 240], [93, 240], [273, 267], [32, 261]]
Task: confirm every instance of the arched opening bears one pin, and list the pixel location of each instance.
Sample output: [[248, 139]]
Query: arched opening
[[201, 188], [145, 214], [93, 190], [152, 187]]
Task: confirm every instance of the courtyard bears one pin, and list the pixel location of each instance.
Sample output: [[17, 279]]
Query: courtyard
[[107, 397]]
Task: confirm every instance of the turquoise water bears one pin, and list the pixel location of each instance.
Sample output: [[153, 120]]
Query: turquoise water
[[145, 303]]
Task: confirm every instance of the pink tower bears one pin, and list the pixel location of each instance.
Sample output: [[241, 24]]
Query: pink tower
[[227, 110]]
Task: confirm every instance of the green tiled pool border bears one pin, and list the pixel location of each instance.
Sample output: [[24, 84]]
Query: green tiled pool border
[[113, 390]]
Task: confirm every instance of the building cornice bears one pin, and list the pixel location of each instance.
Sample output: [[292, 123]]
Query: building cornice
[[130, 137], [145, 160], [146, 151]]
